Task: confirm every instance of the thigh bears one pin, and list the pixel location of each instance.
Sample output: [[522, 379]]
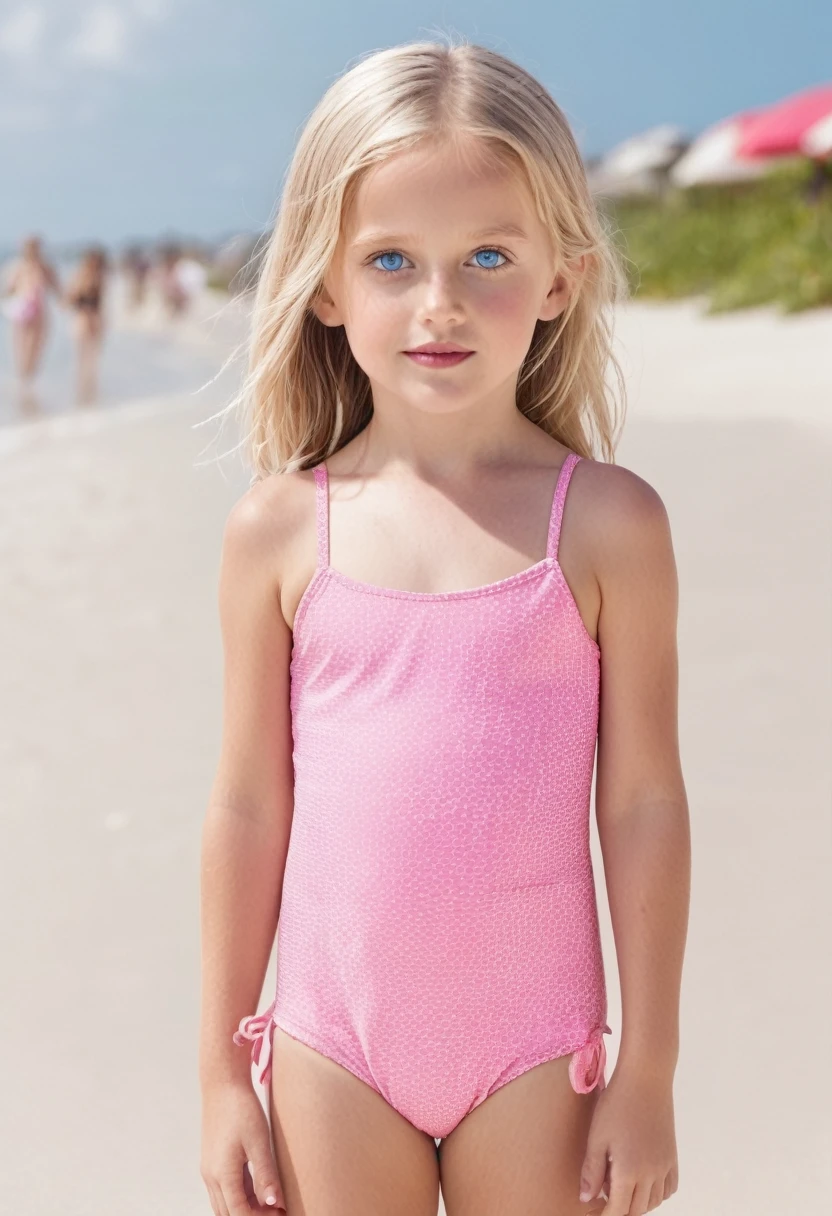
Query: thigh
[[521, 1150], [341, 1149], [27, 339]]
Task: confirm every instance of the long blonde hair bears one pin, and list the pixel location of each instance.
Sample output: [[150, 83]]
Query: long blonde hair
[[304, 395]]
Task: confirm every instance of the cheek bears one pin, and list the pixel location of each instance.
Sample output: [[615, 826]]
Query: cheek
[[375, 317], [506, 308], [376, 327]]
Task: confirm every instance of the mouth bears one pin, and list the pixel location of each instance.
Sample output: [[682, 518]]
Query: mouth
[[439, 354]]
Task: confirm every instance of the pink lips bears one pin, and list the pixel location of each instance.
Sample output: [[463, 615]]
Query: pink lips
[[448, 359]]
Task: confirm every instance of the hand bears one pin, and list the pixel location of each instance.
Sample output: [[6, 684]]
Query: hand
[[236, 1144], [632, 1126]]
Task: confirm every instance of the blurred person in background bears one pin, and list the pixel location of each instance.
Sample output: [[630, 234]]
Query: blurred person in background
[[136, 268], [174, 296], [85, 296], [28, 282], [192, 274]]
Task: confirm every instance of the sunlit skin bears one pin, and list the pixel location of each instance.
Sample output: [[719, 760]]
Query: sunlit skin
[[450, 464], [427, 254]]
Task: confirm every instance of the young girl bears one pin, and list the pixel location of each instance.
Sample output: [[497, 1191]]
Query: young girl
[[433, 598]]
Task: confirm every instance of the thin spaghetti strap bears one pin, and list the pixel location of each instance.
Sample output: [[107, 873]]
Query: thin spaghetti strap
[[322, 511], [557, 503]]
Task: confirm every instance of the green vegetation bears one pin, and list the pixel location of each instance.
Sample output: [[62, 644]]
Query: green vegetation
[[741, 245]]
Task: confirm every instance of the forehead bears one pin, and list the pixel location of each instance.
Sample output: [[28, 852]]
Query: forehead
[[441, 189]]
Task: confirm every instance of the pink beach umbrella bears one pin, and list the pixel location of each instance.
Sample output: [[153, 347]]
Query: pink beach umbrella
[[779, 129]]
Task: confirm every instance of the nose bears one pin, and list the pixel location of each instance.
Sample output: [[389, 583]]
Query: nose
[[440, 302]]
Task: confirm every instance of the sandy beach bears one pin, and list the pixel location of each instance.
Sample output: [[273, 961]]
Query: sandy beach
[[110, 534]]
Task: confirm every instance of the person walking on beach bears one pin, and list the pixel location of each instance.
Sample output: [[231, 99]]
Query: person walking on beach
[[29, 281], [136, 267], [192, 275], [173, 293], [435, 603], [85, 296]]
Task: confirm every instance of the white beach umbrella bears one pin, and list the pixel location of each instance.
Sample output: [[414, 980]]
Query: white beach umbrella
[[638, 164], [817, 141], [712, 157], [653, 149]]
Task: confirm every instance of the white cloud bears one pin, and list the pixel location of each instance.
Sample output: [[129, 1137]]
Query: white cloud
[[58, 58], [151, 10], [95, 34], [21, 34], [102, 38]]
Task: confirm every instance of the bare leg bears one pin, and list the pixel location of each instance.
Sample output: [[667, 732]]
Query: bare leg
[[521, 1150], [28, 345], [87, 364], [341, 1149], [88, 340]]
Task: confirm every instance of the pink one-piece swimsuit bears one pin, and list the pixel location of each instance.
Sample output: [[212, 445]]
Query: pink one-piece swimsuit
[[438, 931]]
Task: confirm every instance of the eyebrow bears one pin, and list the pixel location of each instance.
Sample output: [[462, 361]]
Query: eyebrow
[[380, 238]]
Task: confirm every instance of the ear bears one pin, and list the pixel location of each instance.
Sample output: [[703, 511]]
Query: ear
[[325, 308], [565, 284]]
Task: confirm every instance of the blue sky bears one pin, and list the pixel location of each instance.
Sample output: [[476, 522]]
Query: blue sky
[[136, 117]]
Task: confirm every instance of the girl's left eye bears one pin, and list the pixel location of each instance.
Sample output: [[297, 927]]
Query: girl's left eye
[[388, 270]]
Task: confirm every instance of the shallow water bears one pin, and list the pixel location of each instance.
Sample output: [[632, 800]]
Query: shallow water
[[142, 356]]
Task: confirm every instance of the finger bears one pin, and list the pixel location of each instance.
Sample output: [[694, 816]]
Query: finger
[[234, 1194], [269, 1198], [640, 1202], [217, 1201], [621, 1195], [656, 1195], [248, 1181], [212, 1200], [592, 1173], [267, 1187]]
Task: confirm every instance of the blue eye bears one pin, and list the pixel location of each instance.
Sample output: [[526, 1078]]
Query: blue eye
[[489, 253], [391, 254]]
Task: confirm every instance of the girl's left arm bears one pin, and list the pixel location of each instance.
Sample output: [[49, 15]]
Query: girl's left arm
[[641, 803], [644, 832]]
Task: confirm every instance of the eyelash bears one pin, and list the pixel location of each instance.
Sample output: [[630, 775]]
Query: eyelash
[[487, 269]]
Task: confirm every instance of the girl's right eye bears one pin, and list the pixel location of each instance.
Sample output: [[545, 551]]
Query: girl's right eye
[[388, 269]]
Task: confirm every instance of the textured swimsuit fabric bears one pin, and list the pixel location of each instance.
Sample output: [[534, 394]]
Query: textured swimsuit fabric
[[438, 931]]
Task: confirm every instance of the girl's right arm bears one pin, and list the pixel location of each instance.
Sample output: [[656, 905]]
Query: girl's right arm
[[244, 845]]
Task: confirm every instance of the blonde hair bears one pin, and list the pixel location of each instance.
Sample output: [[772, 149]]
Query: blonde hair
[[304, 395]]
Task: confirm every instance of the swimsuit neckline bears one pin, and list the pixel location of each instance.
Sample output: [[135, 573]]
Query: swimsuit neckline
[[485, 588], [504, 584]]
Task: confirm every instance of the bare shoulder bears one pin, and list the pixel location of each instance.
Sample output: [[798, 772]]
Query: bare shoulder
[[623, 518], [269, 513], [264, 527]]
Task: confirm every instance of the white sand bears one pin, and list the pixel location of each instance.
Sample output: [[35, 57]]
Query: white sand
[[109, 729]]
